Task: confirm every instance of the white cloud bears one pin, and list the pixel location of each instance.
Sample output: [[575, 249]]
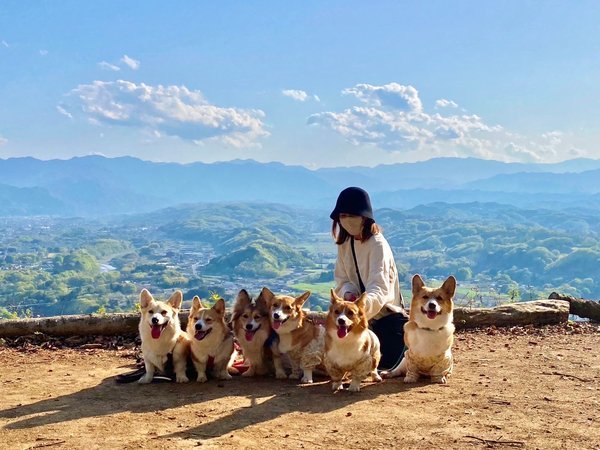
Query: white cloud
[[316, 97], [392, 118], [168, 110], [108, 66], [443, 103], [64, 112], [296, 94], [4, 44], [133, 64], [3, 141]]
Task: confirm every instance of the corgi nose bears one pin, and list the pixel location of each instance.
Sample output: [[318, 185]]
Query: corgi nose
[[341, 321], [432, 306], [248, 327], [154, 321], [276, 316], [198, 326]]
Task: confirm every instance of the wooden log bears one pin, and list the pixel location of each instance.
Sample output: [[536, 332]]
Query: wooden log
[[587, 309], [538, 312]]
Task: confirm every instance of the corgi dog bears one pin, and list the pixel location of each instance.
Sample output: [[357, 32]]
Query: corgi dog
[[299, 338], [211, 341], [350, 347], [252, 330], [429, 333], [162, 335]]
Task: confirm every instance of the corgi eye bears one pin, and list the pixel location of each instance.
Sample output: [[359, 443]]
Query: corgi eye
[[349, 314], [150, 311], [245, 316], [287, 308], [164, 313], [337, 312], [426, 297], [208, 320], [257, 317]]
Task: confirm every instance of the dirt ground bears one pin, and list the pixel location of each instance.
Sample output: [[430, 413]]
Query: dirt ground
[[518, 388]]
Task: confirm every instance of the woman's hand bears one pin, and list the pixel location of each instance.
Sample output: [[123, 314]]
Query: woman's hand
[[350, 296]]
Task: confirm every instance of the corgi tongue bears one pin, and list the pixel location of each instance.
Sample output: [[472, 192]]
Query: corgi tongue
[[200, 335], [249, 335], [156, 330], [342, 332], [276, 324], [431, 314]]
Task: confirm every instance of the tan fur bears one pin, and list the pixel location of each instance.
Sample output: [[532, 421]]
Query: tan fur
[[172, 339], [357, 353], [251, 319], [429, 340], [210, 338], [300, 339]]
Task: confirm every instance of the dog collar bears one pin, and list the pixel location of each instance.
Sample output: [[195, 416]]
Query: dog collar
[[431, 329]]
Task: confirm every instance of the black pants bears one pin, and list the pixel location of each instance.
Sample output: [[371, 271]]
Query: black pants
[[390, 331]]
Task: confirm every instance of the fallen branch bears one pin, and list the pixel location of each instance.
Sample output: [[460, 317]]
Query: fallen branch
[[492, 442], [48, 444], [560, 374], [588, 309]]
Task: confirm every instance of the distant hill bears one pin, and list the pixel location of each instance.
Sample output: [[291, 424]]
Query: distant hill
[[99, 186]]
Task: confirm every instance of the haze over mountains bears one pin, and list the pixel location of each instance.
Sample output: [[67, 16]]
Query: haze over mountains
[[99, 186]]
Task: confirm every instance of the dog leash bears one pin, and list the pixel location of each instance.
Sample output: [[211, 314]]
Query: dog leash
[[362, 286]]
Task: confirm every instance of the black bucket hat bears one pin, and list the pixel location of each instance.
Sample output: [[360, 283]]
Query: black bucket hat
[[355, 201]]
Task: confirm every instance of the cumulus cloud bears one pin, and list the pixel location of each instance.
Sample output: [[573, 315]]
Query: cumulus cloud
[[108, 66], [296, 94], [392, 117], [299, 95], [168, 110], [443, 103], [133, 64]]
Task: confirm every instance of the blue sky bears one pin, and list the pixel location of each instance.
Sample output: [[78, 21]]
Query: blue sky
[[313, 83]]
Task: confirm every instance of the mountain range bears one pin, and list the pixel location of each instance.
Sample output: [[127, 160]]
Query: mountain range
[[98, 186]]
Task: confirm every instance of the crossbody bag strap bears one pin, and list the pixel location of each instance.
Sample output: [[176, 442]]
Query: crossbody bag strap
[[362, 285]]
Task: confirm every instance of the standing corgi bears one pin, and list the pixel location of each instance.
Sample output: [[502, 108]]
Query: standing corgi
[[299, 338], [350, 347], [211, 340], [161, 335], [429, 333], [252, 330]]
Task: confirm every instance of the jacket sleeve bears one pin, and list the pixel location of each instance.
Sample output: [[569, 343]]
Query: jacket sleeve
[[380, 282], [341, 276]]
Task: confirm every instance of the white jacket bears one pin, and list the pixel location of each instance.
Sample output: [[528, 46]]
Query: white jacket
[[377, 271]]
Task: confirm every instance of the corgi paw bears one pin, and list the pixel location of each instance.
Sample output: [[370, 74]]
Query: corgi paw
[[306, 380], [375, 377], [182, 379], [336, 386], [225, 376], [248, 373], [440, 380], [280, 375], [147, 378], [201, 378], [354, 387], [410, 379]]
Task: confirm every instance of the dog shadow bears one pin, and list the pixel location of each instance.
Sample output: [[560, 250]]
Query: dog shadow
[[108, 398]]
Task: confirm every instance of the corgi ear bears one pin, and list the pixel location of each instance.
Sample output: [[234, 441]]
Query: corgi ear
[[300, 300], [219, 307], [145, 298], [449, 286], [176, 299], [360, 301], [196, 303], [417, 283], [267, 295], [261, 302], [242, 300], [334, 298]]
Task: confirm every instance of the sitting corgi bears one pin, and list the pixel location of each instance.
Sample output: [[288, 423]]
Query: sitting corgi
[[211, 340], [161, 335], [299, 338], [429, 333], [252, 330], [350, 347]]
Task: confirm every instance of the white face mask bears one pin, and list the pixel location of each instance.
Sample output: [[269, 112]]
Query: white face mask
[[353, 225]]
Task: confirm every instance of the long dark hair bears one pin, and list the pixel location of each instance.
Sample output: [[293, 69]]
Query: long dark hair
[[341, 235]]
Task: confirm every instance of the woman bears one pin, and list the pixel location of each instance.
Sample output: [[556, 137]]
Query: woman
[[365, 263]]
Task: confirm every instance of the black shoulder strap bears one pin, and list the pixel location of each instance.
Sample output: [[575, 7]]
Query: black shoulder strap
[[362, 286]]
